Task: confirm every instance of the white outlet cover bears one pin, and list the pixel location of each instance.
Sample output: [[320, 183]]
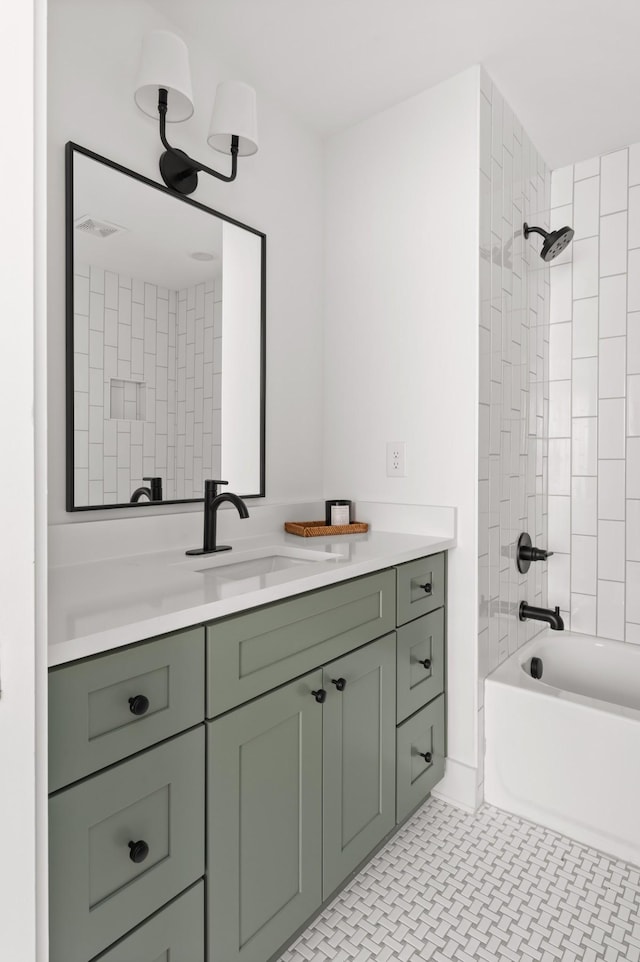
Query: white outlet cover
[[396, 459]]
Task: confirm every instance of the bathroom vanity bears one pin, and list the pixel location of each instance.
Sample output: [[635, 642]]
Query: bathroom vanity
[[212, 787]]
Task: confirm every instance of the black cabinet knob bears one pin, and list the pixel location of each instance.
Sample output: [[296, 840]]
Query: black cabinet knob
[[426, 662], [340, 683], [427, 587], [138, 851], [139, 705], [426, 755], [320, 695]]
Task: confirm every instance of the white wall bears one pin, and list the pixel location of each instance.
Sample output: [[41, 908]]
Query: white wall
[[594, 490], [514, 385], [23, 546], [401, 341], [93, 58]]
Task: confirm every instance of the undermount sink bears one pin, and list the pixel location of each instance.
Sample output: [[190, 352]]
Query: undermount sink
[[238, 566]]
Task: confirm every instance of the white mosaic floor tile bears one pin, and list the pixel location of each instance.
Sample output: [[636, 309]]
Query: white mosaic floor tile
[[489, 887]]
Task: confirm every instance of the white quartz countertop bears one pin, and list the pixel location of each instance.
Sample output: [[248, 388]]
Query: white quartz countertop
[[98, 606]]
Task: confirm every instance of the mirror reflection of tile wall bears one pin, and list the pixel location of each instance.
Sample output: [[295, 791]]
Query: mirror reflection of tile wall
[[147, 386]]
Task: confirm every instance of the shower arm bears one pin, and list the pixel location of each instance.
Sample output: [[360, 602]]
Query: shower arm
[[534, 230]]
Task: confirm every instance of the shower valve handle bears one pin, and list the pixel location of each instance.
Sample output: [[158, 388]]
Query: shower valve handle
[[528, 553]]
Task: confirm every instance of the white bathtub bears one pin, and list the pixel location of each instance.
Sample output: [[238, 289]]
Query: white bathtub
[[564, 751]]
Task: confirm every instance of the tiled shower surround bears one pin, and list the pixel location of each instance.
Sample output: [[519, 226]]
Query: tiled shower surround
[[513, 412], [594, 446], [145, 402]]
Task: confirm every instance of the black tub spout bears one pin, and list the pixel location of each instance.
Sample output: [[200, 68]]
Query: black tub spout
[[552, 618]]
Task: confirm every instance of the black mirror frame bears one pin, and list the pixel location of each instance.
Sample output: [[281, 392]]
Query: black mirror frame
[[71, 149]]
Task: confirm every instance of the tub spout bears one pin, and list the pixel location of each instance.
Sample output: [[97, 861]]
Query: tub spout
[[552, 618]]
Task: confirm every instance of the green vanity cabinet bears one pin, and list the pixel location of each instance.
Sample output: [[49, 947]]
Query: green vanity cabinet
[[212, 788]]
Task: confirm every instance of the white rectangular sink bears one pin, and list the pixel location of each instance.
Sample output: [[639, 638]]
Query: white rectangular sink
[[240, 565]]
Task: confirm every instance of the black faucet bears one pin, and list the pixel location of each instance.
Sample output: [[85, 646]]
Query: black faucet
[[552, 618], [212, 501], [153, 492]]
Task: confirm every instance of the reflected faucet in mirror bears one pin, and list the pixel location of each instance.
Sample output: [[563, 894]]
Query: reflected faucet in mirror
[[152, 493], [212, 501]]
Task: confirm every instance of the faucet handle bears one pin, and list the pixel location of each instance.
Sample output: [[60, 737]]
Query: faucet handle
[[211, 488]]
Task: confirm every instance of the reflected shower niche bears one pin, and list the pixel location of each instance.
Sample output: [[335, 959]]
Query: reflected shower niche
[[165, 350]]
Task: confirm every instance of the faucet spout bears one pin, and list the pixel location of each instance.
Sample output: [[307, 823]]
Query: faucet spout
[[552, 618]]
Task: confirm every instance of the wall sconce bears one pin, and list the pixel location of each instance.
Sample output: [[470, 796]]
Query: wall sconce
[[163, 90]]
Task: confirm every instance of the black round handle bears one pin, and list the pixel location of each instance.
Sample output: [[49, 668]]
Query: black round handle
[[340, 683], [139, 705], [138, 851], [426, 755], [426, 662], [427, 587], [320, 695]]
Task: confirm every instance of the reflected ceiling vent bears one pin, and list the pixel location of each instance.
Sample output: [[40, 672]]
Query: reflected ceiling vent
[[97, 228]]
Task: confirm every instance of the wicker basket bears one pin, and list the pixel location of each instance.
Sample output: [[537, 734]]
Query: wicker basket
[[317, 529]]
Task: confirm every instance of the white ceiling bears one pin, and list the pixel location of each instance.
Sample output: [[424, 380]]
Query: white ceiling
[[569, 68]]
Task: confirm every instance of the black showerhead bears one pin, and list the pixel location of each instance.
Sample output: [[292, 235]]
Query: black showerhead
[[554, 241]]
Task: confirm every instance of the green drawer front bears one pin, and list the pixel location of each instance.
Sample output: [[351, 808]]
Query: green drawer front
[[175, 934], [97, 893], [252, 653], [415, 776], [421, 587], [91, 722], [418, 683]]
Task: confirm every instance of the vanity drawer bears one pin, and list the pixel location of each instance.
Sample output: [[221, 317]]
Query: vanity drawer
[[176, 933], [97, 892], [420, 665], [421, 587], [415, 777], [92, 722], [251, 653]]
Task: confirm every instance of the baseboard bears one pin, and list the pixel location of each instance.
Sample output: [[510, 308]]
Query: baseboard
[[459, 786]]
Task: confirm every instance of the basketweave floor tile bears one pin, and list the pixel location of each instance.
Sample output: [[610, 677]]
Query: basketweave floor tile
[[487, 887]]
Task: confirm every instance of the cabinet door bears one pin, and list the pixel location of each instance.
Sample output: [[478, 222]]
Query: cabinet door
[[264, 845], [358, 757]]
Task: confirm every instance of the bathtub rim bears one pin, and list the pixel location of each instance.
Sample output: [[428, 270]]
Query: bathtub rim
[[512, 673]]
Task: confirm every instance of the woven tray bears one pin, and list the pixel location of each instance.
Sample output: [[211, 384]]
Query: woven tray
[[316, 529]]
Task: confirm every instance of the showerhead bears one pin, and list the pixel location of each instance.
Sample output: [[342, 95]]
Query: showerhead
[[555, 241]]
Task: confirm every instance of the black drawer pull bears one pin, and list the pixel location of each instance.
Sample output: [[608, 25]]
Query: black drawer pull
[[427, 756], [139, 705], [426, 662], [428, 587], [340, 683], [138, 851], [320, 695]]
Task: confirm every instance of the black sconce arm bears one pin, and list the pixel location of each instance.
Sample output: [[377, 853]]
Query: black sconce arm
[[179, 171]]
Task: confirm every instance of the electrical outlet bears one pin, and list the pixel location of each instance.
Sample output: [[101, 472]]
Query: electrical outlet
[[396, 459]]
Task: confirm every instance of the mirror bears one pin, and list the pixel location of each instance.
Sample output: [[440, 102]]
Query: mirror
[[165, 342]]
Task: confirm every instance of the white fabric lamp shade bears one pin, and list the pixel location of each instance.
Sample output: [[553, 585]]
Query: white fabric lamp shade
[[234, 113], [164, 62]]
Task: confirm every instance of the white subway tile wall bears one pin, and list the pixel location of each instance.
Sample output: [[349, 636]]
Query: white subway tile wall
[[514, 425], [145, 401], [601, 415]]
